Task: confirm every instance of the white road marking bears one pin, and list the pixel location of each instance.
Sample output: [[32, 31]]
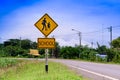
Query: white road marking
[[98, 74]]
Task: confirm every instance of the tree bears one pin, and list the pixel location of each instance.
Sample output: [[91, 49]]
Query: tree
[[101, 49], [116, 43], [11, 50], [33, 45], [15, 47], [85, 53], [14, 51], [26, 44], [42, 51], [92, 55], [117, 56], [1, 49], [1, 46], [55, 52], [69, 52], [12, 42], [110, 54]]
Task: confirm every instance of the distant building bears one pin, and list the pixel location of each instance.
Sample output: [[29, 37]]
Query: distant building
[[101, 55], [34, 52]]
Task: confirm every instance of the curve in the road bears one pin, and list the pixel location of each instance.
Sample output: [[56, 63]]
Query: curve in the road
[[98, 74]]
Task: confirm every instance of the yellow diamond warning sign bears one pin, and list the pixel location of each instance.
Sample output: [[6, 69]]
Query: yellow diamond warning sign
[[46, 24]]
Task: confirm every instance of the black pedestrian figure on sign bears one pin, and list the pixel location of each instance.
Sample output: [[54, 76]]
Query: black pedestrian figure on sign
[[48, 25], [44, 24]]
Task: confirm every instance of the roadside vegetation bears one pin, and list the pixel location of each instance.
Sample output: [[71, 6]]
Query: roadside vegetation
[[35, 70], [20, 48], [6, 62], [13, 69]]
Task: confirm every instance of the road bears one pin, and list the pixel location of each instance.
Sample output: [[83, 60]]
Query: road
[[94, 71]]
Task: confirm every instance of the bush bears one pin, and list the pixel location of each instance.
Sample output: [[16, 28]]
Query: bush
[[116, 58], [92, 55], [14, 51], [69, 52], [2, 53], [5, 62]]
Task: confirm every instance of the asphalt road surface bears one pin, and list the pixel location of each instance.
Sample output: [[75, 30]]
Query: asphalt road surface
[[93, 71]]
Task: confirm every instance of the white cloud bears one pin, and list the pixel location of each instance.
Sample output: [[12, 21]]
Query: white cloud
[[20, 23], [62, 42], [71, 42]]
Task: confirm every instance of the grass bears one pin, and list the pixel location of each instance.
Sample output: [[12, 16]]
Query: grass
[[6, 62], [35, 70]]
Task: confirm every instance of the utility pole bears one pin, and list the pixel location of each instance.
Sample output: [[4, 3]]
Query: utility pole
[[79, 34], [53, 49], [20, 42], [80, 38], [92, 44], [110, 29]]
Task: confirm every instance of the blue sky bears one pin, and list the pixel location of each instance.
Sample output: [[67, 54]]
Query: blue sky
[[17, 19]]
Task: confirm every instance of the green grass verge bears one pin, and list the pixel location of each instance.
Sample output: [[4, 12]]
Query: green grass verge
[[35, 70], [6, 62]]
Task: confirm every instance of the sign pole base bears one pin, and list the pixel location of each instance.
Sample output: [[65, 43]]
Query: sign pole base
[[46, 60], [46, 68]]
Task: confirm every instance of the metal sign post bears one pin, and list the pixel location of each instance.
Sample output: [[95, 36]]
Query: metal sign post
[[46, 60], [46, 25]]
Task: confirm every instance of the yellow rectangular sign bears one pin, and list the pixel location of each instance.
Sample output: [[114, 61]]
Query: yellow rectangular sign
[[46, 42]]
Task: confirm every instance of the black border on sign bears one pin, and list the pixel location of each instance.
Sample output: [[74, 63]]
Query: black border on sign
[[40, 19], [45, 47]]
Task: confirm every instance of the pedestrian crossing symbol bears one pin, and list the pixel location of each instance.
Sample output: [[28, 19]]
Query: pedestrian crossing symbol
[[46, 24]]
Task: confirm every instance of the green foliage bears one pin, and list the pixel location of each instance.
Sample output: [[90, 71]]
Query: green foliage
[[1, 46], [116, 43], [101, 49], [5, 62], [26, 44], [110, 54], [2, 53], [55, 52], [33, 45], [85, 53], [99, 59], [116, 57], [16, 47], [34, 70], [41, 51], [92, 55], [12, 42], [69, 52], [11, 50], [14, 51]]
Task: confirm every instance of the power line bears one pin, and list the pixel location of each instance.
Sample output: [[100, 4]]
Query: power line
[[116, 26], [90, 33], [64, 35]]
